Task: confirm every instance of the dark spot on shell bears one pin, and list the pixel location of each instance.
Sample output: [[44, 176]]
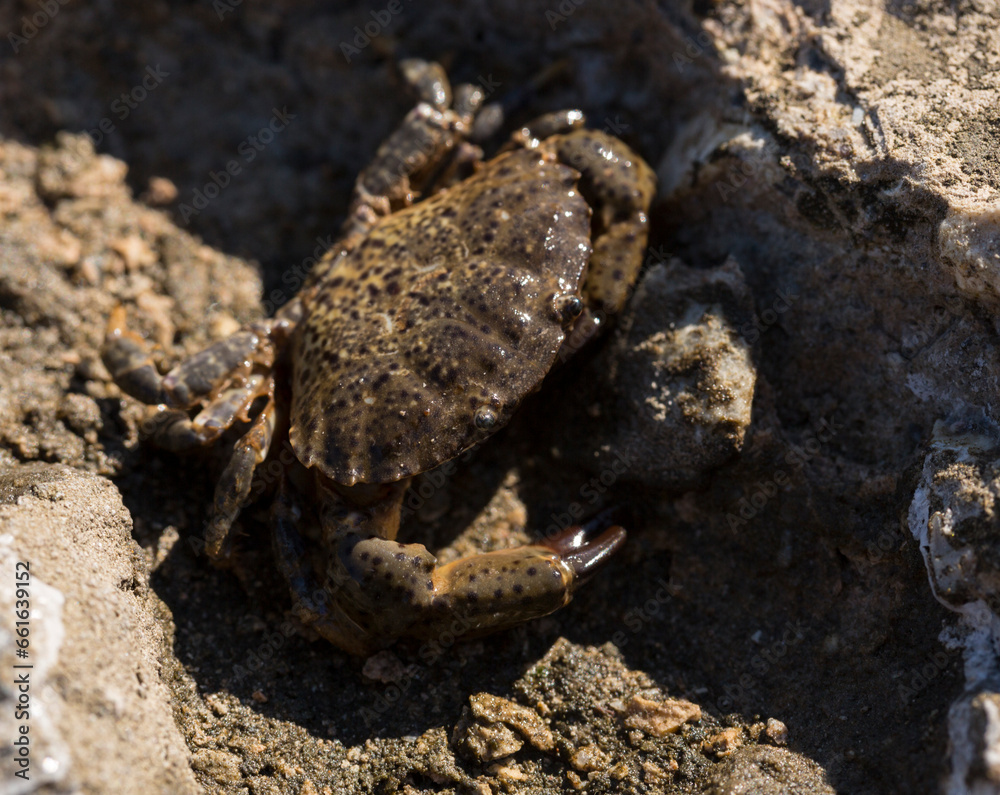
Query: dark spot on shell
[[532, 571], [518, 588]]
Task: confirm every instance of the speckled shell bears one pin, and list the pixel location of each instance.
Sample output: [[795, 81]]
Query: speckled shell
[[424, 338]]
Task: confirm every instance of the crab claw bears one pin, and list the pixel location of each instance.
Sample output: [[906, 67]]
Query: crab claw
[[581, 551], [388, 589]]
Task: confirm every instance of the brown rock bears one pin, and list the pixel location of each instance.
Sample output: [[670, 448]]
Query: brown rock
[[527, 722], [660, 718], [484, 741], [723, 743]]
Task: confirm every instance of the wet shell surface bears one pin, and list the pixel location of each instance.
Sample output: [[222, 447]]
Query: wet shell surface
[[423, 339]]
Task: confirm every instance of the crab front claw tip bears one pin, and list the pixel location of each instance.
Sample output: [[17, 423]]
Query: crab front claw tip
[[584, 553]]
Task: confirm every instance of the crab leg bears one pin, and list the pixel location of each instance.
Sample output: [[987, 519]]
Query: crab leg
[[407, 159], [313, 604], [619, 185], [237, 479], [129, 360], [221, 376]]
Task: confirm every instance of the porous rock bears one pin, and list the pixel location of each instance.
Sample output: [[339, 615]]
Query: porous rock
[[100, 718], [670, 398]]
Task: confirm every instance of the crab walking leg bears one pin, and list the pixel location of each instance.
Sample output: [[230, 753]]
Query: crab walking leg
[[408, 158], [619, 185], [536, 130], [237, 479], [313, 603], [201, 378], [128, 358], [174, 430], [394, 589]]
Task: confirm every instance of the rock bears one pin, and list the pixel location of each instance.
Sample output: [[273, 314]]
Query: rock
[[489, 733], [659, 718], [954, 512], [974, 723], [528, 723], [955, 520], [384, 666], [485, 741], [71, 169], [589, 758], [775, 732], [670, 398], [723, 743], [632, 724], [100, 717], [220, 766], [762, 770]]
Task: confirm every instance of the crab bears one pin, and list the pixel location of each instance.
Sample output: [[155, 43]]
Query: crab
[[446, 301]]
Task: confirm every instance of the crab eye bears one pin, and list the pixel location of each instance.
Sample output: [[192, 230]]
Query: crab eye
[[568, 306], [484, 418]]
